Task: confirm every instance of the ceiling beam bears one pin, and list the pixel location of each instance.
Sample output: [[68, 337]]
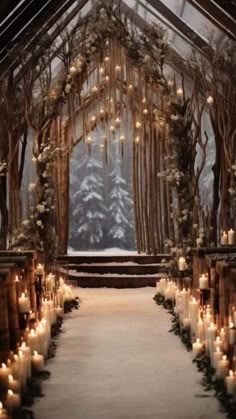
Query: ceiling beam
[[216, 15], [179, 24], [12, 61]]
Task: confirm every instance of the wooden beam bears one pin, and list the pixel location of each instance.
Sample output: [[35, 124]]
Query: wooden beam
[[12, 61], [229, 6], [216, 15], [179, 24]]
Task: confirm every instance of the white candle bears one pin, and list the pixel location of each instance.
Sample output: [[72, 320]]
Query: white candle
[[218, 343], [193, 313], [224, 239], [222, 334], [182, 263], [197, 347], [230, 382], [13, 385], [217, 356], [33, 341], [200, 330], [231, 237], [223, 367], [26, 351], [37, 361], [24, 303], [12, 401], [3, 412], [4, 373], [203, 281], [232, 334]]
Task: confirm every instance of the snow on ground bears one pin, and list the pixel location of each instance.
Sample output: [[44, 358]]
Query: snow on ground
[[105, 252], [116, 360]]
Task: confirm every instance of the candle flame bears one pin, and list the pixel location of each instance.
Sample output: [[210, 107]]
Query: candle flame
[[218, 339], [21, 354], [198, 340], [23, 345], [1, 405], [17, 278], [222, 330], [231, 325], [32, 332], [224, 357], [10, 392], [10, 377], [4, 365], [35, 353], [23, 295], [231, 373], [16, 357], [217, 349]]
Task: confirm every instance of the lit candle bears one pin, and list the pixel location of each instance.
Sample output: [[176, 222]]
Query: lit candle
[[197, 347], [12, 401], [222, 334], [182, 263], [232, 334], [13, 385], [4, 373], [117, 68], [24, 303], [218, 343], [210, 100], [223, 367], [3, 412], [224, 239], [217, 356], [37, 361], [33, 341], [138, 125], [200, 330], [230, 382], [39, 269], [26, 351], [203, 282], [180, 92], [231, 237]]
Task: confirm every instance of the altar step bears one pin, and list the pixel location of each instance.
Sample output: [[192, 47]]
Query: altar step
[[113, 271]]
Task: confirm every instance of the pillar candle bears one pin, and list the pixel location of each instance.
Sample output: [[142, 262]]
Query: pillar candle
[[200, 330], [222, 334], [232, 334], [197, 347], [33, 341], [231, 237], [37, 361], [218, 343], [203, 282], [217, 356], [24, 303], [230, 382], [12, 401], [4, 373], [26, 351], [182, 263], [193, 313], [3, 412], [223, 367], [13, 384], [224, 239]]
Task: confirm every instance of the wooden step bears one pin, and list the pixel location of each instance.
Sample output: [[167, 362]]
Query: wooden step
[[106, 258], [132, 269]]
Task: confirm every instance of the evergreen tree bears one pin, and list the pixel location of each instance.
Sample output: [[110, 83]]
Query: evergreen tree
[[88, 212], [120, 208]]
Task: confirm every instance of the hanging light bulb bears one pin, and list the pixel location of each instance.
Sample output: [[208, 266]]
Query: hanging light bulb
[[137, 140], [210, 100], [102, 113], [107, 78], [145, 111], [112, 128], [89, 140], [117, 68], [101, 71], [130, 87], [94, 89], [122, 138], [107, 59], [138, 124], [144, 100], [180, 91], [93, 118], [117, 122], [73, 69]]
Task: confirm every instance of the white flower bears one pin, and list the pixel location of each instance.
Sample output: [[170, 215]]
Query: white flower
[[26, 223], [31, 187], [40, 208]]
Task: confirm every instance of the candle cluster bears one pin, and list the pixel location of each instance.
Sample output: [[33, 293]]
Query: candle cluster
[[227, 238], [217, 343], [32, 351]]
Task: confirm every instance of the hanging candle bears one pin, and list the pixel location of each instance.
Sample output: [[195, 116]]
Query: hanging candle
[[210, 100], [89, 140], [130, 88], [122, 138], [94, 89], [137, 140], [107, 79], [93, 118], [180, 92], [101, 71], [138, 125], [107, 59], [73, 69], [117, 69], [117, 122], [144, 100], [112, 128], [145, 111], [102, 147]]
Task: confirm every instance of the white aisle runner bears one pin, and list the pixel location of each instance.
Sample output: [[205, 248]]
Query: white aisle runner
[[117, 360]]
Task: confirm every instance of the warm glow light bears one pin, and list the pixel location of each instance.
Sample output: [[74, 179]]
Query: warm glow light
[[222, 330], [32, 332], [10, 377], [180, 92], [94, 89], [72, 69], [107, 78], [102, 112], [144, 100], [210, 100], [93, 118], [145, 111], [10, 392], [106, 59], [138, 124], [35, 353], [112, 128], [198, 340], [137, 140], [130, 87], [117, 122], [231, 325], [224, 357], [231, 373], [118, 68], [217, 349], [122, 138], [22, 295], [4, 366], [17, 278], [101, 70]]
